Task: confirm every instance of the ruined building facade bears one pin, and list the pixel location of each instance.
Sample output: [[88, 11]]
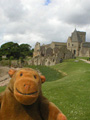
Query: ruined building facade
[[55, 52], [50, 54]]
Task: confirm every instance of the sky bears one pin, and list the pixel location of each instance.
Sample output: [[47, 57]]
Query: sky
[[44, 21]]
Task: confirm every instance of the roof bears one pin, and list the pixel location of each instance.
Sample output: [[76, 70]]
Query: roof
[[59, 43], [56, 44], [47, 45], [76, 36]]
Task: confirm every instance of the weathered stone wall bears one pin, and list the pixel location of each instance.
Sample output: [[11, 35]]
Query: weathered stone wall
[[50, 58], [84, 52], [43, 51], [49, 52], [37, 51]]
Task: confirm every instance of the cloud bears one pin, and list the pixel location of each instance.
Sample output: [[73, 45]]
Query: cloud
[[75, 12], [13, 9], [29, 21]]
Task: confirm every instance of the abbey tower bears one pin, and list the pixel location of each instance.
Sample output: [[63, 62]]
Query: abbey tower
[[77, 44]]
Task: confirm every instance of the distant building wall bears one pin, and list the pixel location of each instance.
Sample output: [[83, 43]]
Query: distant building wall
[[50, 54]]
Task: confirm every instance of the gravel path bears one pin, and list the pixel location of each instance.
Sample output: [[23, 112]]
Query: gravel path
[[4, 77], [85, 61]]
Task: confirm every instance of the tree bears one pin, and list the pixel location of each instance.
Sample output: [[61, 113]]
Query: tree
[[16, 51], [0, 52], [25, 50], [11, 49], [31, 52]]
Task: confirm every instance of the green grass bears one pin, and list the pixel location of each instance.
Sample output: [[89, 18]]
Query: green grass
[[50, 73], [2, 88], [83, 58], [70, 93]]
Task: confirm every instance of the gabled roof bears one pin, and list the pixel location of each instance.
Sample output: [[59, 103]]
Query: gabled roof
[[59, 43], [76, 36], [46, 45]]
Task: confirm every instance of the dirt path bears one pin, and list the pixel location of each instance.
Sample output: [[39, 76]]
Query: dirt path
[[85, 61], [4, 77]]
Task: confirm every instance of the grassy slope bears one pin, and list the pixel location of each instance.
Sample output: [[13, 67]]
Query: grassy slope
[[49, 73], [71, 93]]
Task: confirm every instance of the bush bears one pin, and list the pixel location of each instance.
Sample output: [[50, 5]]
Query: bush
[[0, 58]]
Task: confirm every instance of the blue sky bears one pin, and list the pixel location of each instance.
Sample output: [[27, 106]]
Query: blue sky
[[47, 2]]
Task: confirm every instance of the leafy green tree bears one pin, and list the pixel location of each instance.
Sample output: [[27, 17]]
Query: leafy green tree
[[25, 50], [0, 52], [31, 52], [11, 49], [16, 51]]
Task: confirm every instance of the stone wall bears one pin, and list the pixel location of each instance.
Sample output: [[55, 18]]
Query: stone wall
[[84, 52], [51, 56], [37, 51]]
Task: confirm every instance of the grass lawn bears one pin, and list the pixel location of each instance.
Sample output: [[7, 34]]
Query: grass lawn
[[70, 93], [49, 73]]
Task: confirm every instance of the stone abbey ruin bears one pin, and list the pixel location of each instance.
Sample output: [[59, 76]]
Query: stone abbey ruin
[[55, 52]]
